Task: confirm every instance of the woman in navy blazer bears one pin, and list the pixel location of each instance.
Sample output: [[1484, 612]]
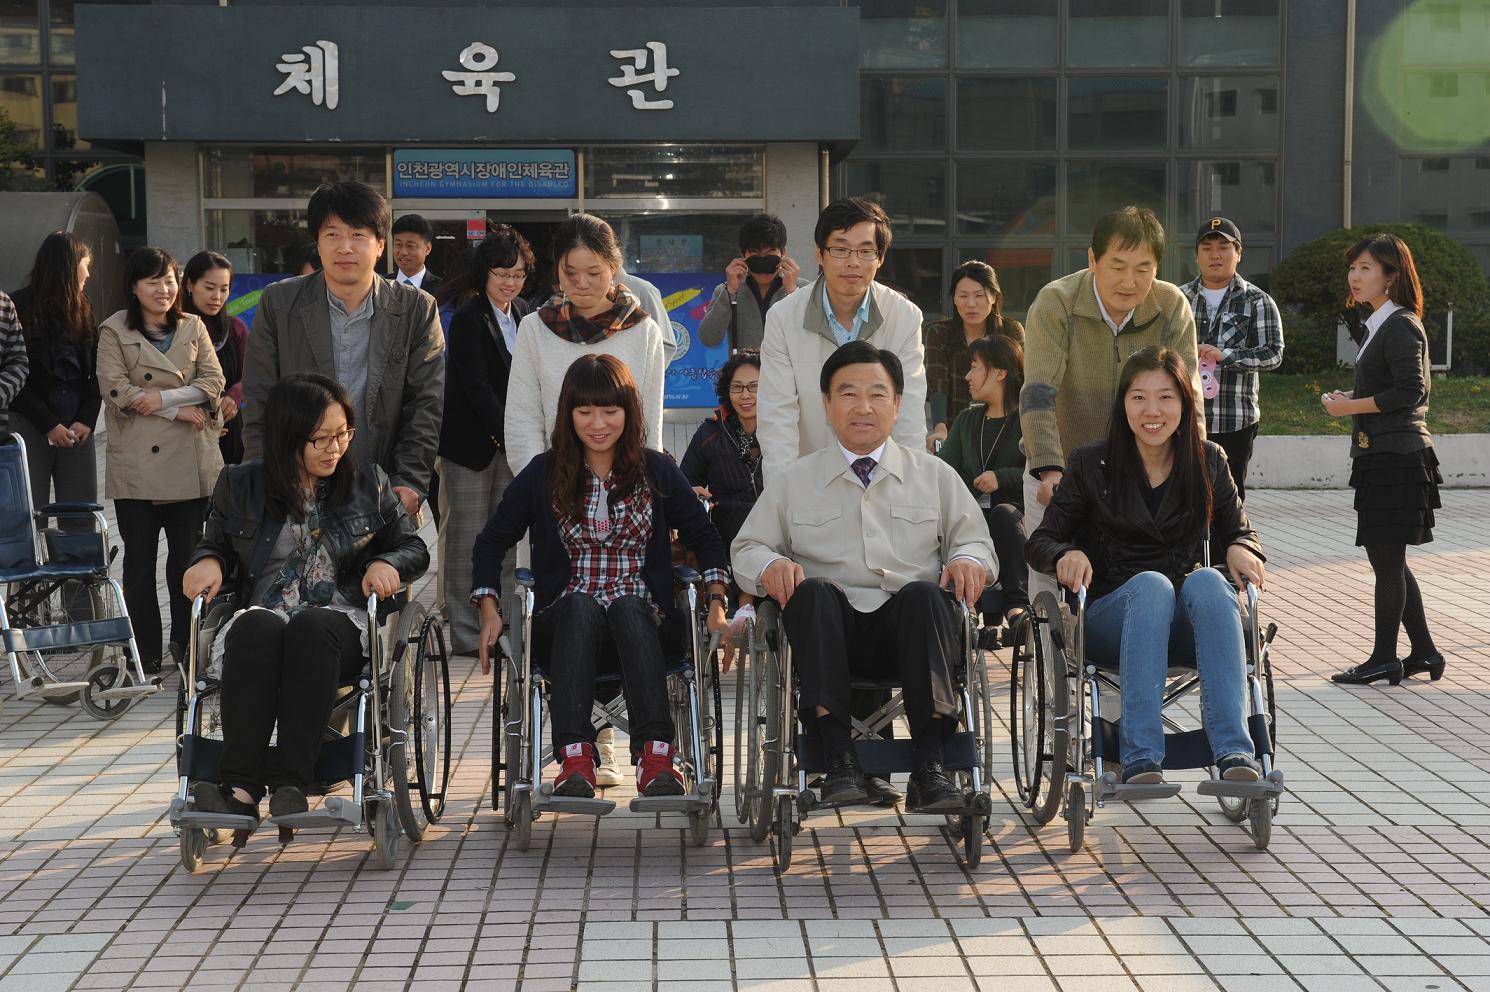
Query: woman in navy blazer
[[599, 508], [472, 466], [1394, 470]]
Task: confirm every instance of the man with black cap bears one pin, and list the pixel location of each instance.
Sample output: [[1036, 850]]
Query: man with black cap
[[1238, 328]]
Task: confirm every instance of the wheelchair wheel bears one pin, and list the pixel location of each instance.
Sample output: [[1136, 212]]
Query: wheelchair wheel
[[972, 840], [698, 828], [106, 677], [48, 603], [193, 848], [1076, 817], [1260, 822], [1234, 810], [427, 724], [522, 820], [387, 833], [764, 726], [1039, 699], [784, 821], [981, 695]]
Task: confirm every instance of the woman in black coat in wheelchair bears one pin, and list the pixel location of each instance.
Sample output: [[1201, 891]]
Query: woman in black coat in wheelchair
[[1129, 521], [599, 507], [308, 535]]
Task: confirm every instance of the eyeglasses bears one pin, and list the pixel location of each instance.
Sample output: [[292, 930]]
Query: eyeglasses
[[862, 254], [744, 388], [501, 276], [342, 440]]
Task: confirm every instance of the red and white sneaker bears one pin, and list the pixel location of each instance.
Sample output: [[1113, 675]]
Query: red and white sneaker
[[655, 774], [576, 778]]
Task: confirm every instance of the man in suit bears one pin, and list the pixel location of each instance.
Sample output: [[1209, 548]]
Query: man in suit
[[380, 339], [851, 540], [413, 239]]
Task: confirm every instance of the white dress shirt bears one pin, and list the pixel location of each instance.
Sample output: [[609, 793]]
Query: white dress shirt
[[1374, 322], [508, 324], [416, 280], [1113, 325]]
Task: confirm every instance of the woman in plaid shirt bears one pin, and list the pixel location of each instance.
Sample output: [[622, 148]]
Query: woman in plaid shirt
[[599, 507]]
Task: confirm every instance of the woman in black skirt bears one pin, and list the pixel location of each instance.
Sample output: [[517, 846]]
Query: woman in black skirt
[[1394, 470]]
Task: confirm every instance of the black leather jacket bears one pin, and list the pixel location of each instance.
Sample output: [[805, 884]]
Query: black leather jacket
[[372, 526], [1122, 538]]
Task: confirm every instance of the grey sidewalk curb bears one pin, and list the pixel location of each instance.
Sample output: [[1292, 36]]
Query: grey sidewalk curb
[[1322, 461]]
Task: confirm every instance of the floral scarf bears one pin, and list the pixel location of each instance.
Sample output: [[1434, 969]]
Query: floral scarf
[[308, 576], [559, 316]]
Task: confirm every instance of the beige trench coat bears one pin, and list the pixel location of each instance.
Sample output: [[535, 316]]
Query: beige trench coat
[[150, 457]]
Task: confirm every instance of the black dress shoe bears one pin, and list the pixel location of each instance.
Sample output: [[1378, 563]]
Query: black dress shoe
[[209, 797], [931, 791], [288, 800], [1430, 665], [881, 792], [1370, 671], [844, 780]]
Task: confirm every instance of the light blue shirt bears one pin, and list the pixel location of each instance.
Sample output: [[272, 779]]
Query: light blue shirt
[[841, 334]]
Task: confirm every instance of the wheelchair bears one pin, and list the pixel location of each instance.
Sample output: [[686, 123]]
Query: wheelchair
[[1065, 751], [519, 750], [68, 636], [774, 758], [388, 736]]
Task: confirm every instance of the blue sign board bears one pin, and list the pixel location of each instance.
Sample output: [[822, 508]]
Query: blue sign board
[[691, 375], [523, 173]]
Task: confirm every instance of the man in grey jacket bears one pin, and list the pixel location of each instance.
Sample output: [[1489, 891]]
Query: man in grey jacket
[[753, 283], [380, 339]]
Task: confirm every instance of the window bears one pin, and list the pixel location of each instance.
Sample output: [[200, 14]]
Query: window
[[913, 193], [916, 272], [1229, 32], [1006, 34], [903, 114], [1443, 84], [1110, 112], [1118, 33], [1022, 272], [675, 171], [65, 114], [1445, 193], [20, 32], [1244, 192], [677, 241], [902, 34], [258, 240], [235, 171], [1234, 112], [1097, 188], [20, 98], [1006, 113], [1434, 165], [1006, 198]]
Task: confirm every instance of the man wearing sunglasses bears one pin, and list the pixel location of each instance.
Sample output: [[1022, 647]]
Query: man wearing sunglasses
[[843, 304]]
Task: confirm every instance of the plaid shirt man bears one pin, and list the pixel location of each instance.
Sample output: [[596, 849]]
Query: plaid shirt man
[[1249, 332]]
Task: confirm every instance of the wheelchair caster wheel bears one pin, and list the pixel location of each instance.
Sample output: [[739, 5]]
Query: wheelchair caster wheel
[[522, 820], [698, 828], [785, 828], [99, 679], [972, 840], [193, 848], [806, 801], [1260, 822], [1075, 817], [286, 834]]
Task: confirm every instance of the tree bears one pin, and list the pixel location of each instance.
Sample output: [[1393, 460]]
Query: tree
[[16, 160], [1310, 286]]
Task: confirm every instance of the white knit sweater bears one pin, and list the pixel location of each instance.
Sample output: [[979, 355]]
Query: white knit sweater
[[539, 364]]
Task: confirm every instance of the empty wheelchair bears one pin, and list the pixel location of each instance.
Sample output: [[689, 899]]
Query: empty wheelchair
[[520, 749], [68, 637], [774, 758], [1065, 745], [388, 736]]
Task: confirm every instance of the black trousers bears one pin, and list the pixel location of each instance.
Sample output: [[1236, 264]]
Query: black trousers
[[575, 637], [1238, 448], [140, 524], [275, 672], [911, 639], [1006, 527]]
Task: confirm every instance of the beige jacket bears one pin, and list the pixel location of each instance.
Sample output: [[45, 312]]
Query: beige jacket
[[150, 457], [797, 342], [915, 515]]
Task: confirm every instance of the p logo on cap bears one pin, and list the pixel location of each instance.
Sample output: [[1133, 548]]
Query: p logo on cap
[[1215, 223]]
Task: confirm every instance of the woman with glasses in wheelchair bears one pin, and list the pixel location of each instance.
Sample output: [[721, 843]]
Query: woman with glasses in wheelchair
[[308, 535], [599, 507], [1129, 522]]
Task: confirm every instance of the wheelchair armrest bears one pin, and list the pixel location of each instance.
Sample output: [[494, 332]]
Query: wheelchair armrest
[[68, 508], [685, 575], [393, 604], [523, 577]]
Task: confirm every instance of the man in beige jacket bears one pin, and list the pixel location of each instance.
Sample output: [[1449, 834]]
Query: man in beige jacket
[[852, 541]]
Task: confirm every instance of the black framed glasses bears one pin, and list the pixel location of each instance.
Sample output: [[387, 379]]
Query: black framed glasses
[[342, 440]]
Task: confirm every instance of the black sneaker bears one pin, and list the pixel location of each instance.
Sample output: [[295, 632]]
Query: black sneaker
[[844, 780], [1238, 768], [209, 797], [931, 791], [288, 800]]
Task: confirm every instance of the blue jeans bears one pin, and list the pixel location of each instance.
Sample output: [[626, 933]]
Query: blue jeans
[[1143, 623]]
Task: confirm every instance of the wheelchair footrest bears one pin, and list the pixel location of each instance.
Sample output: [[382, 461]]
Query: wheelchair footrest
[[335, 811], [49, 690], [1109, 790], [129, 691], [1261, 789], [670, 804], [193, 819], [573, 804]]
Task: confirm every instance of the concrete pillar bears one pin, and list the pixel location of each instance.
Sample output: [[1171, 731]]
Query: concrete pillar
[[792, 195], [173, 198]]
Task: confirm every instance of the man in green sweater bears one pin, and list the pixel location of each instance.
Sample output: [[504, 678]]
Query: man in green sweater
[[1080, 331]]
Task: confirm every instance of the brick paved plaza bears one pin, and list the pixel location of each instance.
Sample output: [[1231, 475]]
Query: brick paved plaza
[[1376, 877]]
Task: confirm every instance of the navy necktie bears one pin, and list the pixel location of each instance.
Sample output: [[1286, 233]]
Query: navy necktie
[[863, 467]]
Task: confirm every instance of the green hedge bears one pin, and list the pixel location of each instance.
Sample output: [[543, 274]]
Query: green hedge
[[1310, 288]]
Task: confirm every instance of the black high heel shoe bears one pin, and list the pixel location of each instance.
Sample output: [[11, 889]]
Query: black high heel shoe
[[1430, 665], [1370, 671]]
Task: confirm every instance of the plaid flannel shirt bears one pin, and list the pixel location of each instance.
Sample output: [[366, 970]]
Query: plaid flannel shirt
[[1249, 332]]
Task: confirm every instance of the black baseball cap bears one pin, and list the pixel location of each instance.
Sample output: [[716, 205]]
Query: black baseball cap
[[1221, 226]]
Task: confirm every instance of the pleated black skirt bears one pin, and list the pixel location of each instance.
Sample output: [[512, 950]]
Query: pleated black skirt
[[1395, 496]]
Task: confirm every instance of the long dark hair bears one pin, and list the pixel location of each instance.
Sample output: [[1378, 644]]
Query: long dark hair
[[596, 380], [198, 266], [148, 263], [1191, 475], [54, 297], [1000, 352], [295, 406], [1395, 259]]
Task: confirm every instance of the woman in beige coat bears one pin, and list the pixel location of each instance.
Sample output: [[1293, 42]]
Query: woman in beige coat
[[160, 381]]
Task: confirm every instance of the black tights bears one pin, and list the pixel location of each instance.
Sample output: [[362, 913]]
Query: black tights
[[1398, 603]]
